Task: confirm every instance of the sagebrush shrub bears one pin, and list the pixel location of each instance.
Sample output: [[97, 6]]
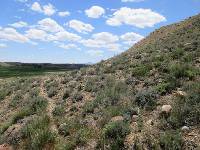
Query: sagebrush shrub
[[146, 99], [114, 134]]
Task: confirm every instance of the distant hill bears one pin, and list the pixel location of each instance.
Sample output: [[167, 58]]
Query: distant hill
[[44, 65], [17, 69]]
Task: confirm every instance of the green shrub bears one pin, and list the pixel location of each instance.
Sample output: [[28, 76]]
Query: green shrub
[[59, 110], [77, 97], [4, 127], [141, 71], [183, 70], [66, 94], [69, 145], [21, 114], [89, 107], [171, 140], [34, 93], [90, 85], [38, 134], [38, 104], [114, 134], [113, 92], [3, 94], [52, 92], [163, 88], [177, 53], [187, 110], [140, 123], [16, 99], [78, 134], [146, 99], [82, 136]]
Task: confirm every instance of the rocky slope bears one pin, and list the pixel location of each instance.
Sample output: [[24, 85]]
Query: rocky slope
[[146, 98]]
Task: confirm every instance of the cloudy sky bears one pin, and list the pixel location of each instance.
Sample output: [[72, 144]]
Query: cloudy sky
[[81, 31]]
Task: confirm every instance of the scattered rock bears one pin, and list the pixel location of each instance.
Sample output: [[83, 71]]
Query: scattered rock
[[187, 44], [181, 93], [150, 122], [134, 118], [166, 109], [198, 60], [117, 118], [185, 128]]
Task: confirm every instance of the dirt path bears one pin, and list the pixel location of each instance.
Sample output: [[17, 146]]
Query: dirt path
[[50, 107]]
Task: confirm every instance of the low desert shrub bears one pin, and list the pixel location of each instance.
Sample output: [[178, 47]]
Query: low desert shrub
[[177, 53], [171, 140], [38, 134], [16, 99], [114, 134], [141, 70], [3, 94], [146, 99], [77, 97], [66, 94], [59, 110], [52, 92], [180, 70]]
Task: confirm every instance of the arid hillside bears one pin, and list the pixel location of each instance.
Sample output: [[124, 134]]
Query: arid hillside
[[146, 98]]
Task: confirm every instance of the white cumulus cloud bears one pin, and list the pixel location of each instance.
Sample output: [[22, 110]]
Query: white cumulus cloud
[[48, 9], [140, 18], [19, 24], [36, 7], [131, 38], [95, 12], [65, 36], [64, 13], [36, 34], [10, 34], [105, 37], [103, 40], [49, 25], [68, 46], [80, 26]]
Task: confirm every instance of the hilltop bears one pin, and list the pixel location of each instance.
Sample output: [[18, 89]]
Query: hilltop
[[145, 98]]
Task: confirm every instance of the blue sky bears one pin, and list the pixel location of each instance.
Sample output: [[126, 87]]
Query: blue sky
[[82, 31]]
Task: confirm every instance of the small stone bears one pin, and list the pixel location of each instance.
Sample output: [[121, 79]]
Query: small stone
[[150, 122], [117, 118], [181, 93], [166, 109], [185, 128], [134, 118]]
